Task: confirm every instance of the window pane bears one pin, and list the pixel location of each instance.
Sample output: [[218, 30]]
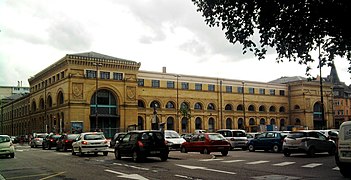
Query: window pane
[[170, 84]]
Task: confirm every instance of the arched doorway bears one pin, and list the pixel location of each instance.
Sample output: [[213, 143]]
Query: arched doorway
[[318, 121], [140, 123], [198, 123], [211, 125], [228, 123], [184, 124], [241, 123], [170, 123], [103, 113]]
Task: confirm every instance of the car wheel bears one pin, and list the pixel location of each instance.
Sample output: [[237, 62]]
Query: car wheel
[[12, 155], [275, 148], [136, 157], [183, 150], [345, 171], [251, 148], [73, 152], [117, 154], [206, 151], [287, 153], [224, 153], [164, 157], [105, 153], [311, 152], [332, 151], [31, 145]]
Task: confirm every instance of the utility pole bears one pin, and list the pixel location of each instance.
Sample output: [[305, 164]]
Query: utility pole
[[244, 103], [96, 93]]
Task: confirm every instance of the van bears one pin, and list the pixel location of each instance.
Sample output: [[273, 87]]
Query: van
[[236, 137], [343, 154]]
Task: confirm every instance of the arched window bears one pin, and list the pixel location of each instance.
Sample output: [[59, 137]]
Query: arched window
[[153, 103], [239, 107], [60, 99], [49, 101], [282, 109], [240, 123], [296, 107], [282, 122], [228, 123], [272, 122], [34, 106], [262, 121], [41, 104], [140, 123], [141, 104], [170, 123], [211, 125], [297, 121], [184, 105], [198, 106], [184, 124], [251, 108], [210, 106], [262, 109], [272, 109], [170, 105], [251, 122], [198, 123], [228, 107]]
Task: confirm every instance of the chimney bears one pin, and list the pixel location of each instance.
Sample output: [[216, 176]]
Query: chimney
[[164, 70]]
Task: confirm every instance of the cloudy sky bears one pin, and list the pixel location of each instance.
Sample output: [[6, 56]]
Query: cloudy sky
[[158, 33]]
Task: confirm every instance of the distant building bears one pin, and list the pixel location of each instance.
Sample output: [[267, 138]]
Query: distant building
[[91, 91]]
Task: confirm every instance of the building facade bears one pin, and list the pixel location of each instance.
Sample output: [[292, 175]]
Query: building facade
[[92, 91]]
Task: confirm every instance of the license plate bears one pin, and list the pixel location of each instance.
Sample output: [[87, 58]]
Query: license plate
[[154, 152]]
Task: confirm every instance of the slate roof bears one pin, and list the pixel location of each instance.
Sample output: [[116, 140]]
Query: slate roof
[[93, 54], [286, 79]]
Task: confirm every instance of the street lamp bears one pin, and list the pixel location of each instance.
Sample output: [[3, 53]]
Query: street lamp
[[96, 93], [243, 91], [321, 87], [177, 103]]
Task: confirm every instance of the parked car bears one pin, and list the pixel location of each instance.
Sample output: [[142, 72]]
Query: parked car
[[252, 135], [116, 138], [343, 153], [205, 143], [236, 137], [331, 134], [90, 142], [37, 139], [6, 146], [271, 140], [198, 131], [142, 144], [186, 136], [309, 142], [65, 142], [50, 141], [173, 139]]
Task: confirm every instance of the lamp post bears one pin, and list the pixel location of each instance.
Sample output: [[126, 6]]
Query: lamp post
[[243, 91], [177, 103], [321, 88], [96, 93]]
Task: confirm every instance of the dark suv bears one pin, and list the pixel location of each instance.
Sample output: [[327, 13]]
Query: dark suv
[[50, 141], [142, 144], [271, 140]]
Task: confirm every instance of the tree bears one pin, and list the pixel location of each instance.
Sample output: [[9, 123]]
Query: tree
[[294, 28]]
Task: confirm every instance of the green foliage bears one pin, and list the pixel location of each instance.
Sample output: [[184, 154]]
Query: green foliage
[[294, 28], [185, 111]]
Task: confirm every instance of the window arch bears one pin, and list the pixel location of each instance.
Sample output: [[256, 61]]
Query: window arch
[[239, 107], [211, 125], [153, 103], [41, 104], [140, 123], [170, 123], [252, 121], [296, 107], [297, 121], [240, 123], [211, 106], [228, 107], [262, 121], [282, 122], [49, 101], [272, 122], [60, 99], [170, 105], [34, 106], [282, 109], [184, 105], [251, 108], [198, 106], [198, 123], [262, 108], [272, 109], [228, 123], [184, 124], [141, 104]]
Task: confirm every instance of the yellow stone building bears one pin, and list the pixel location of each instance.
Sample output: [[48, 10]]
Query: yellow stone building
[[63, 98]]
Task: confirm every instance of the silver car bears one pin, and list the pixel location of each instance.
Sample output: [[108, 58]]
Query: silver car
[[6, 146], [309, 142], [37, 139]]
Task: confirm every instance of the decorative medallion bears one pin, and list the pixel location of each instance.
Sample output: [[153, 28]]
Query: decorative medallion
[[77, 90], [131, 93]]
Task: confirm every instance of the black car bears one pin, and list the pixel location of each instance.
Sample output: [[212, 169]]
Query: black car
[[65, 142], [116, 138], [271, 140], [50, 141], [142, 144]]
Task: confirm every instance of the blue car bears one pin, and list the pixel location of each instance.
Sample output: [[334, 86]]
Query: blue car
[[268, 141]]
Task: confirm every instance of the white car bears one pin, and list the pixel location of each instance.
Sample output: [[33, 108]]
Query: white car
[[6, 146], [173, 139], [90, 142], [343, 154]]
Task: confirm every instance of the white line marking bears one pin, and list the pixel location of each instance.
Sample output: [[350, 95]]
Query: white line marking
[[312, 165], [257, 162], [204, 168], [210, 159], [284, 163], [233, 161], [336, 169]]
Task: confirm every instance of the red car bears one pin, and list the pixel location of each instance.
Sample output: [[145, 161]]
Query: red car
[[205, 143], [65, 142]]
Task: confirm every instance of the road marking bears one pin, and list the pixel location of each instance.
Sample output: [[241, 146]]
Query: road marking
[[257, 162], [336, 169], [275, 177], [210, 159], [204, 168], [57, 174], [233, 161], [283, 163], [127, 176], [312, 165], [130, 166]]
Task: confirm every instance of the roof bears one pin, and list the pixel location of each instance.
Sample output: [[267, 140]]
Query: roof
[[93, 54], [286, 79]]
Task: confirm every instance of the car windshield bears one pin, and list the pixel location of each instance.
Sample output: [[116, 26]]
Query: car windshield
[[41, 135], [296, 135], [4, 139], [72, 136], [216, 137], [151, 136], [239, 134], [171, 134], [94, 137], [56, 136]]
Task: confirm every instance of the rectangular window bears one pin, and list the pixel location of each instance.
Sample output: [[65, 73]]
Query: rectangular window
[[185, 85], [229, 89], [272, 92], [104, 75], [198, 86], [62, 74], [117, 76], [262, 91], [170, 84], [281, 92], [140, 82], [211, 87], [240, 90], [89, 74], [252, 90], [155, 83], [53, 79], [58, 76]]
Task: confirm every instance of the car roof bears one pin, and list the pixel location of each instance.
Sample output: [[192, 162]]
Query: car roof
[[231, 130]]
